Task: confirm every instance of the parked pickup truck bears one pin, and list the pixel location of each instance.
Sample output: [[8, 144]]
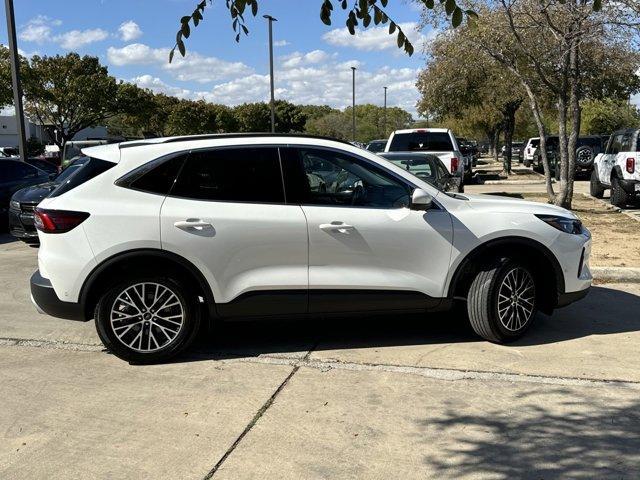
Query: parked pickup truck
[[439, 141], [618, 168]]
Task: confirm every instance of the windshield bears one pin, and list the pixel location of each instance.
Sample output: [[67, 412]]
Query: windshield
[[377, 146], [71, 169], [421, 141], [421, 167]]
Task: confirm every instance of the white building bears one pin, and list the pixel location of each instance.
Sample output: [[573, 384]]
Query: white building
[[9, 132]]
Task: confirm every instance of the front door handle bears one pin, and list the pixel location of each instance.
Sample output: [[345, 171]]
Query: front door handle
[[196, 224], [336, 226]]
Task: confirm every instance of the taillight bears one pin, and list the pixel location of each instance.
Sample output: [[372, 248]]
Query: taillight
[[57, 221], [454, 165], [631, 165]]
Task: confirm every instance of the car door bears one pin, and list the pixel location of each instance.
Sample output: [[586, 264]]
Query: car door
[[367, 249], [227, 214]]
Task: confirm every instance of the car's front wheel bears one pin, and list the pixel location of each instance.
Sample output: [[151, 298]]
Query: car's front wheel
[[502, 301], [147, 320]]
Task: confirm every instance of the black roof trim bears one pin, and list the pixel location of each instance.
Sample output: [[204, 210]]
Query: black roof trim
[[215, 136]]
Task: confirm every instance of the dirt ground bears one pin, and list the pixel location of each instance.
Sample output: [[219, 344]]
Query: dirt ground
[[616, 237]]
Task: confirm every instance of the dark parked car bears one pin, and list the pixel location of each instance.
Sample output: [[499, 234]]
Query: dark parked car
[[376, 146], [15, 175], [427, 167], [587, 147], [469, 148], [517, 151], [43, 165], [24, 201]]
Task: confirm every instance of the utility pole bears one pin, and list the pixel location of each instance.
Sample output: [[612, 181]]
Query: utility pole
[[385, 111], [15, 78], [273, 104], [353, 103]]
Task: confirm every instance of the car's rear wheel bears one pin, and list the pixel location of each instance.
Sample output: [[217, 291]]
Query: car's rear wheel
[[595, 187], [147, 320], [619, 197], [502, 301]]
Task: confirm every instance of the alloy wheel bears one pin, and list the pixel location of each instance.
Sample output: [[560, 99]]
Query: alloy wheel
[[516, 299], [147, 317]]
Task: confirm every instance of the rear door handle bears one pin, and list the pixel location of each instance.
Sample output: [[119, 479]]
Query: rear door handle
[[196, 224], [336, 226]]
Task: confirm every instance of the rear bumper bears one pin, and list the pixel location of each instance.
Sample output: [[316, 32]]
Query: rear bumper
[[629, 186], [565, 299], [46, 301]]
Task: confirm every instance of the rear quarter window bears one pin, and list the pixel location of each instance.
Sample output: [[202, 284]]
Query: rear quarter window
[[91, 169]]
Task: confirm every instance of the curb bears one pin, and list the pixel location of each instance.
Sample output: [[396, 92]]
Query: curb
[[616, 274], [509, 182]]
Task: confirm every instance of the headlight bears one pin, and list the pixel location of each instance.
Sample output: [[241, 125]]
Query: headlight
[[15, 204], [567, 225]]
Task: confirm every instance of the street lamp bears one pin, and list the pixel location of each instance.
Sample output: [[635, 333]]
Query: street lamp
[[353, 103], [385, 111], [15, 78], [273, 105]]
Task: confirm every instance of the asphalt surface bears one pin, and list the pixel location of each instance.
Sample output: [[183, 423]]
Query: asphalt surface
[[381, 397]]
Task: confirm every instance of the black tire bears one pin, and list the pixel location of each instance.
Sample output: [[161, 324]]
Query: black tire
[[556, 173], [595, 187], [165, 347], [527, 163], [483, 303], [619, 197], [584, 156]]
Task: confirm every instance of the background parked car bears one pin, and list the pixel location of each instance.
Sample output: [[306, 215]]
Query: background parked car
[[469, 148], [517, 151], [73, 149], [14, 175], [427, 167], [25, 200], [587, 148], [376, 146], [9, 152], [530, 150]]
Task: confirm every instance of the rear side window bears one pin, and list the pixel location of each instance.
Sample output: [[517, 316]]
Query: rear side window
[[421, 141], [157, 176], [91, 169], [232, 175]]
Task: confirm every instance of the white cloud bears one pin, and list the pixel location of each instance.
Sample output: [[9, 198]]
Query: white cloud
[[376, 38], [75, 39], [38, 29], [281, 43], [297, 59], [323, 83], [129, 31], [193, 67]]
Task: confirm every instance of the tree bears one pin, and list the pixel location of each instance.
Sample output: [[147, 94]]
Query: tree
[[359, 11], [289, 117], [69, 93], [253, 117], [605, 116], [482, 93], [550, 48], [6, 92]]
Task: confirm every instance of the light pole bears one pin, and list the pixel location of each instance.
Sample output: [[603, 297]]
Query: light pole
[[385, 111], [353, 103], [273, 105], [15, 78]]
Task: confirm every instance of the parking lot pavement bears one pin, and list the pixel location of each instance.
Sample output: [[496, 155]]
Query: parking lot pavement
[[376, 397]]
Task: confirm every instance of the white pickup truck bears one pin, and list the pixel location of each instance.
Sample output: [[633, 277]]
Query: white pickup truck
[[438, 141], [618, 168]]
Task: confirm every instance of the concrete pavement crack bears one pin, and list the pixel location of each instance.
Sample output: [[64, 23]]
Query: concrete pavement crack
[[265, 406]]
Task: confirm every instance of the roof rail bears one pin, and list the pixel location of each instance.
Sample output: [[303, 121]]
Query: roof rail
[[214, 136]]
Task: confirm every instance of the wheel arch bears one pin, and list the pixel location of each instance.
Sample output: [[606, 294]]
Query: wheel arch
[[146, 260], [536, 255]]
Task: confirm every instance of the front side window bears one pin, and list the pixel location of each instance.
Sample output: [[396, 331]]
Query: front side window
[[342, 180], [231, 175]]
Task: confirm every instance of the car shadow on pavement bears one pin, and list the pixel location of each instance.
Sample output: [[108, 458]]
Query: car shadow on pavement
[[6, 238], [540, 433], [604, 311]]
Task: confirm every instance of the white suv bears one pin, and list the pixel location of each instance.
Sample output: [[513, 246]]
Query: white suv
[[618, 168], [152, 237]]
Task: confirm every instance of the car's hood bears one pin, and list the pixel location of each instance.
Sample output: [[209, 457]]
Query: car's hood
[[34, 193], [494, 203]]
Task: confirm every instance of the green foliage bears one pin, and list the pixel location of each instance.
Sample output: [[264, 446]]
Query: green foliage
[[369, 123], [69, 92], [6, 93], [253, 117], [607, 115], [358, 12]]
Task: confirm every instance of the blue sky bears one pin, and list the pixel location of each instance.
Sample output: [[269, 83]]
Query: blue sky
[[313, 61]]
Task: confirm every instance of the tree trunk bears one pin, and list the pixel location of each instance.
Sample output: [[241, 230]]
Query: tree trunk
[[509, 123], [495, 141]]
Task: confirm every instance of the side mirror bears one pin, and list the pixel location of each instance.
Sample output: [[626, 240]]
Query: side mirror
[[421, 200]]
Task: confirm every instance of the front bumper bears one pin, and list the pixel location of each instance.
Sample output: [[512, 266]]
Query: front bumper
[[21, 226], [565, 299], [46, 301]]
